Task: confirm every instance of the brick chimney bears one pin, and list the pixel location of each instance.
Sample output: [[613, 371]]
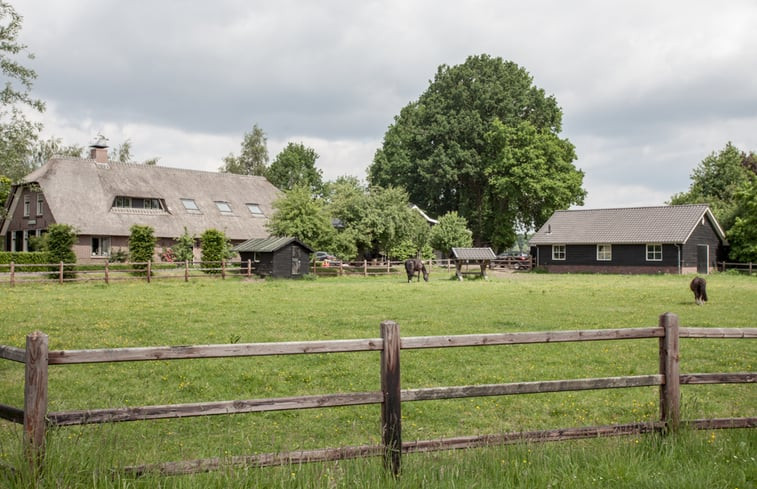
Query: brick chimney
[[98, 150]]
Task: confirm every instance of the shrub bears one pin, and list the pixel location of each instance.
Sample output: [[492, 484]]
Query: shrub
[[215, 247], [60, 239], [141, 245]]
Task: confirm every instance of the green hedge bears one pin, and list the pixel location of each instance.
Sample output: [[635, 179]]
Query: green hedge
[[23, 257]]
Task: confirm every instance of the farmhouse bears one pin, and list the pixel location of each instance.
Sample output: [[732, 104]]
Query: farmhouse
[[661, 239], [280, 257], [102, 199]]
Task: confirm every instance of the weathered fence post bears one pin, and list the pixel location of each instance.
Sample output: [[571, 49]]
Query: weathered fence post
[[249, 267], [186, 270], [223, 269], [670, 391], [60, 273], [149, 270], [35, 398], [107, 278], [13, 274], [365, 267], [391, 408]]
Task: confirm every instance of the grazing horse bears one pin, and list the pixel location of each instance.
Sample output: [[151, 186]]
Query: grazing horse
[[699, 287], [412, 266]]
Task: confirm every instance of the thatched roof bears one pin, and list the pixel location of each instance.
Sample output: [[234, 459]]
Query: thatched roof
[[81, 192]]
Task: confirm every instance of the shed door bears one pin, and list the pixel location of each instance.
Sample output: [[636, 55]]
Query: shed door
[[703, 259], [296, 260]]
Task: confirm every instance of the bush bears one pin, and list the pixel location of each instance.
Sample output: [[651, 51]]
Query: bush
[[215, 247], [60, 239], [141, 246], [24, 257]]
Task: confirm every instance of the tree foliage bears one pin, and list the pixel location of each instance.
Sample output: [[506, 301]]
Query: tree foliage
[[253, 156], [437, 148], [59, 243], [743, 234], [300, 214], [215, 245], [183, 250], [295, 165], [17, 133], [451, 232], [141, 244], [716, 180]]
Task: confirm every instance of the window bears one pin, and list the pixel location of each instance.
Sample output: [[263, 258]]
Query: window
[[122, 201], [40, 204], [604, 252], [654, 252], [100, 245], [190, 205], [558, 252], [255, 209], [224, 207], [152, 204], [27, 206]]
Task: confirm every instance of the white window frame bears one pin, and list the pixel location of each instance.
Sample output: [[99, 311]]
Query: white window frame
[[255, 209], [190, 205], [122, 202], [27, 206], [652, 250], [224, 207], [559, 252], [152, 204], [103, 248], [604, 252], [40, 204]]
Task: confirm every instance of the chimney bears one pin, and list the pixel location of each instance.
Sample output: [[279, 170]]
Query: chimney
[[98, 150]]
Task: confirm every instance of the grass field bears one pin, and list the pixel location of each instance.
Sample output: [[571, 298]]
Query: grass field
[[210, 311]]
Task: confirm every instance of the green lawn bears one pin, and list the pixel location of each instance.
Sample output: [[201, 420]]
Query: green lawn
[[211, 311]]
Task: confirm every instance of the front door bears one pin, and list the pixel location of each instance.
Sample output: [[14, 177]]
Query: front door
[[703, 259], [296, 260]]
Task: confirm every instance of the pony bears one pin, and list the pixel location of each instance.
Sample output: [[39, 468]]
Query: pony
[[414, 265], [699, 287]]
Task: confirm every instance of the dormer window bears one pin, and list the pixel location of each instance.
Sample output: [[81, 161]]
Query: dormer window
[[122, 202], [223, 206], [255, 210]]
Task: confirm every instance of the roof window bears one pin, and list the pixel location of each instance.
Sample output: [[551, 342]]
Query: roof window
[[223, 206], [255, 210], [190, 205]]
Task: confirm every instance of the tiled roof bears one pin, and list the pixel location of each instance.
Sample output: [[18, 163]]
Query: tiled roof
[[474, 253], [268, 245], [632, 225]]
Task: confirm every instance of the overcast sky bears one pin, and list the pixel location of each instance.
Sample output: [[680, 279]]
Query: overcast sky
[[647, 88]]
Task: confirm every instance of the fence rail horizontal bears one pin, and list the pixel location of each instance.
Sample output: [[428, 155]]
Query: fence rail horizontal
[[13, 353], [715, 333], [10, 413], [720, 378]]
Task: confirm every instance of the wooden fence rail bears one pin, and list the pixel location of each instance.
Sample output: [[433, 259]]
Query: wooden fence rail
[[37, 358]]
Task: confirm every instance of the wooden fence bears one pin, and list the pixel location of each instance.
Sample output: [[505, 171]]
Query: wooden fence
[[748, 268], [37, 358]]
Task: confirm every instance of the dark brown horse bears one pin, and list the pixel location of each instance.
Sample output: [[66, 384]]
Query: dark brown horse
[[699, 287], [414, 265]]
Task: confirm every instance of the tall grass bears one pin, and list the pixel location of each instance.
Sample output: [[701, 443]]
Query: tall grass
[[176, 313]]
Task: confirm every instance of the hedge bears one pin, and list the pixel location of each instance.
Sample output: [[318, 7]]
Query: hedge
[[24, 257]]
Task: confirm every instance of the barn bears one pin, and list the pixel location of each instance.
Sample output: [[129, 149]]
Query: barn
[[662, 239], [280, 257]]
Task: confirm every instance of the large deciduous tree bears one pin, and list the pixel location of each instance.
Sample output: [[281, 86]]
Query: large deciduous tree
[[743, 234], [295, 165], [17, 133], [301, 215], [451, 232], [253, 157], [438, 149]]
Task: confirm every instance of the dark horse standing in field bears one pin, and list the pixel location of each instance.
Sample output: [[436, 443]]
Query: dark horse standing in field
[[413, 266], [699, 287]]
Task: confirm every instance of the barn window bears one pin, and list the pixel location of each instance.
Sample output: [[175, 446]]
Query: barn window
[[255, 210], [224, 207], [654, 252], [604, 252], [558, 252]]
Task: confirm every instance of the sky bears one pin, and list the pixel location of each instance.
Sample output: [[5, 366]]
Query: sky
[[648, 89]]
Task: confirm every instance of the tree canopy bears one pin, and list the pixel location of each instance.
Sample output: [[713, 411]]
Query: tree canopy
[[17, 133], [253, 156], [440, 148], [295, 165]]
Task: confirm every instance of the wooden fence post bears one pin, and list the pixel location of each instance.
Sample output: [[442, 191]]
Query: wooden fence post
[[149, 270], [186, 270], [249, 267], [391, 407], [60, 273], [365, 267], [13, 274], [107, 278], [35, 398], [670, 391]]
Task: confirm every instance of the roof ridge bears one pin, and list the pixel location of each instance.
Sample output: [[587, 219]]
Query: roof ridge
[[661, 206], [134, 164]]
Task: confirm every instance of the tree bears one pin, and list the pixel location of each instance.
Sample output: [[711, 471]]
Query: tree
[[437, 147], [141, 245], [17, 133], [295, 165], [253, 157], [59, 243], [389, 220], [743, 234], [216, 247], [43, 150], [716, 180], [183, 250], [451, 232], [301, 215], [531, 175]]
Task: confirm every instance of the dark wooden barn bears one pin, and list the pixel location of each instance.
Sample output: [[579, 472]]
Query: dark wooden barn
[[662, 239], [276, 257]]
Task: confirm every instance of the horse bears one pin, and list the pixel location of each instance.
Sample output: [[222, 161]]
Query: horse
[[699, 287], [415, 265]]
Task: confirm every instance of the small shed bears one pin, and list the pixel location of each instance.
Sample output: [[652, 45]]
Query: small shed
[[280, 257], [477, 256]]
